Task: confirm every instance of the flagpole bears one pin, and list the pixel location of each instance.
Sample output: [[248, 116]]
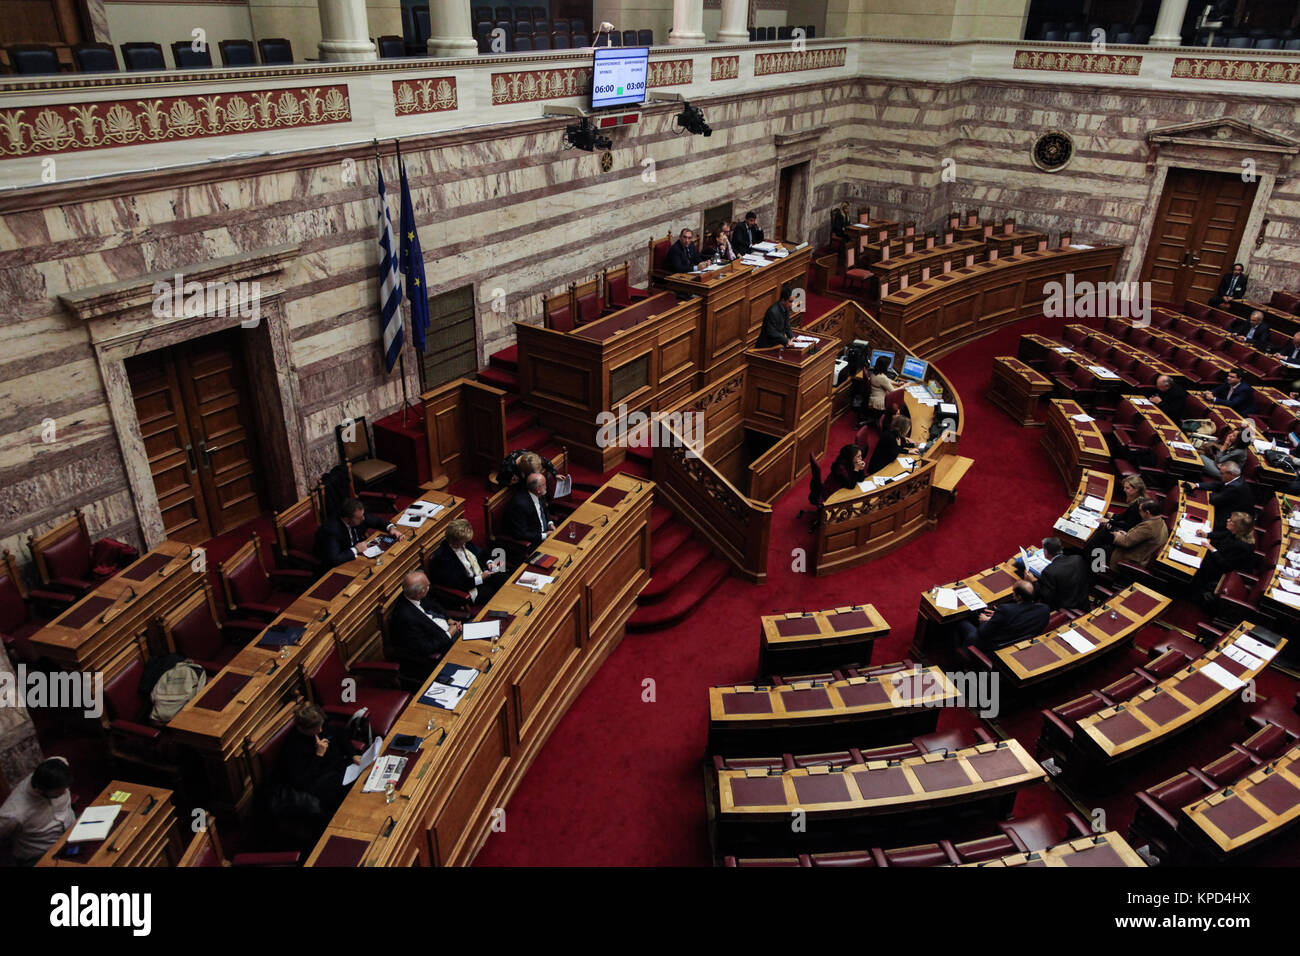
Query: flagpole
[[406, 314]]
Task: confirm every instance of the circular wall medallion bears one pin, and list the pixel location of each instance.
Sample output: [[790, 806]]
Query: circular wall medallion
[[1052, 151], [606, 161]]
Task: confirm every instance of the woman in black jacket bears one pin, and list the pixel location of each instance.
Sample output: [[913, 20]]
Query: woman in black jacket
[[1231, 549], [892, 443], [848, 469]]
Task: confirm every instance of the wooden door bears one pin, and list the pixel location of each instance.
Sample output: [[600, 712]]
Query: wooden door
[[1196, 233], [783, 204], [195, 418]]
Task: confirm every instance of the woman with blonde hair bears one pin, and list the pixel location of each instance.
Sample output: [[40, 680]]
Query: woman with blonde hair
[[1231, 549], [459, 564]]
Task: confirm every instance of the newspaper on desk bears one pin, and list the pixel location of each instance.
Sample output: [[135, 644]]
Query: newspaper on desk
[[970, 599], [1035, 561], [1101, 371]]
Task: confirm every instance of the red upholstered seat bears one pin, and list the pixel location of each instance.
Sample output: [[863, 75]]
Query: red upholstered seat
[[950, 740], [296, 535], [252, 591], [68, 561], [848, 858], [1270, 741], [1232, 766], [197, 635], [618, 291], [16, 621], [588, 308], [926, 854], [985, 848], [1176, 792], [267, 753], [341, 700], [1041, 830]]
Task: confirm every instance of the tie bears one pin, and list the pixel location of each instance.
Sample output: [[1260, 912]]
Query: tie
[[352, 534]]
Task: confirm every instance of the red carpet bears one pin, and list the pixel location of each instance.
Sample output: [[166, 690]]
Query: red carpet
[[619, 782]]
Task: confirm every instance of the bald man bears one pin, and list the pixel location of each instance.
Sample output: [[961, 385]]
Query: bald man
[[420, 632]]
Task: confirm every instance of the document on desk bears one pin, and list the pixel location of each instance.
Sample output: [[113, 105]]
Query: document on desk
[[1256, 647], [480, 630], [457, 675], [1182, 557], [1138, 400], [373, 551], [1086, 518], [1034, 562], [1076, 641], [411, 519], [1285, 597], [1235, 652], [970, 599], [1102, 371], [367, 758], [1184, 446], [765, 246], [1063, 350], [1093, 503], [1083, 418], [1221, 676], [945, 598], [947, 408], [94, 824], [1067, 526], [442, 695], [534, 582], [427, 508]]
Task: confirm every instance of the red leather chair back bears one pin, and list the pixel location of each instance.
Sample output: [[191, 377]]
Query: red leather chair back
[[122, 693], [268, 754], [300, 532], [1177, 793], [588, 308], [1196, 309], [661, 254], [196, 635], [69, 557], [616, 288], [327, 679], [249, 584], [894, 400], [13, 609], [927, 854]]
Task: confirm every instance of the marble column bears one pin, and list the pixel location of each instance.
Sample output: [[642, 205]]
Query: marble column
[[344, 31], [1169, 24], [450, 33], [734, 15], [19, 750], [688, 24]]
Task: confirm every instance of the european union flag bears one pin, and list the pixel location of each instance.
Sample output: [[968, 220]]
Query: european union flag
[[412, 264]]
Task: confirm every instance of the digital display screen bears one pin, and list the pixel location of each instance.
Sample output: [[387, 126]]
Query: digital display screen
[[915, 368], [618, 76], [878, 354]]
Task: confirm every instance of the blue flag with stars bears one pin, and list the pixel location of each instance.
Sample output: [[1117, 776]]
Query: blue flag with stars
[[412, 263]]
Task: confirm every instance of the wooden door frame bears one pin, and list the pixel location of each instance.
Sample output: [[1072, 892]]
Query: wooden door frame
[[1217, 146], [795, 148], [121, 322]]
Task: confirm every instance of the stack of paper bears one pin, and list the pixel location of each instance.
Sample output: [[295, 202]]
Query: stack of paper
[[1221, 676], [970, 599], [1082, 418], [1138, 400], [1063, 350], [1101, 371], [1285, 597], [1190, 532], [1066, 526], [534, 582], [1093, 503], [1076, 641], [1256, 647], [480, 630], [764, 246], [1182, 557], [95, 824], [945, 598]]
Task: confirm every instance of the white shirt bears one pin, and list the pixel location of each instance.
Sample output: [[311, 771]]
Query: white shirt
[[541, 516], [32, 823], [440, 621]]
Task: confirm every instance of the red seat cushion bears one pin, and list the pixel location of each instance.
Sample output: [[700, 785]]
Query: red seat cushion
[[69, 557], [248, 583], [300, 532]]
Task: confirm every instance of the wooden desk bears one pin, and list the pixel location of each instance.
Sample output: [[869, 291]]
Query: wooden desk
[[1157, 365], [1092, 484], [788, 396], [858, 525], [806, 643], [946, 311], [1106, 628], [1159, 712], [1104, 849], [99, 632], [1073, 446], [745, 719], [345, 608], [646, 362], [1289, 544], [1194, 508], [145, 833], [1251, 811], [1184, 461], [1017, 388], [1006, 243], [733, 300], [553, 641], [891, 271], [990, 586], [752, 803]]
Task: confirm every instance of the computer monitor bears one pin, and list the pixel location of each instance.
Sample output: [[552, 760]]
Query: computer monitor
[[880, 353], [915, 368]]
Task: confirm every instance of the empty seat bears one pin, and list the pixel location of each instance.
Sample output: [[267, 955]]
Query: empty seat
[[784, 33], [1076, 36], [33, 59], [523, 28], [391, 47], [645, 37], [523, 44], [94, 58], [1053, 36], [237, 53], [560, 41], [275, 50], [187, 58], [541, 28], [1240, 43], [578, 26], [1268, 43], [541, 42], [143, 56], [504, 13]]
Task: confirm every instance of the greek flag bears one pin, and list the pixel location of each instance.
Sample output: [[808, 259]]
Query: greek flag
[[390, 283]]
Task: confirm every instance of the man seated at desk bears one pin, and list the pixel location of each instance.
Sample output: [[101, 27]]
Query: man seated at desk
[[747, 234], [1064, 582], [37, 813], [1290, 353], [308, 786], [1022, 617], [1253, 330], [1139, 544], [1227, 495], [1171, 397], [460, 564], [1231, 286], [1234, 393], [420, 632], [776, 328], [683, 256], [337, 538], [527, 517]]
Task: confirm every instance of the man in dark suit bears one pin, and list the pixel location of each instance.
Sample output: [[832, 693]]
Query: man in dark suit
[[1064, 582], [1231, 286], [1253, 330], [746, 234], [1234, 393], [776, 321], [1229, 495], [1290, 353], [1171, 397], [527, 516], [420, 631], [683, 255], [1021, 617], [337, 537]]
